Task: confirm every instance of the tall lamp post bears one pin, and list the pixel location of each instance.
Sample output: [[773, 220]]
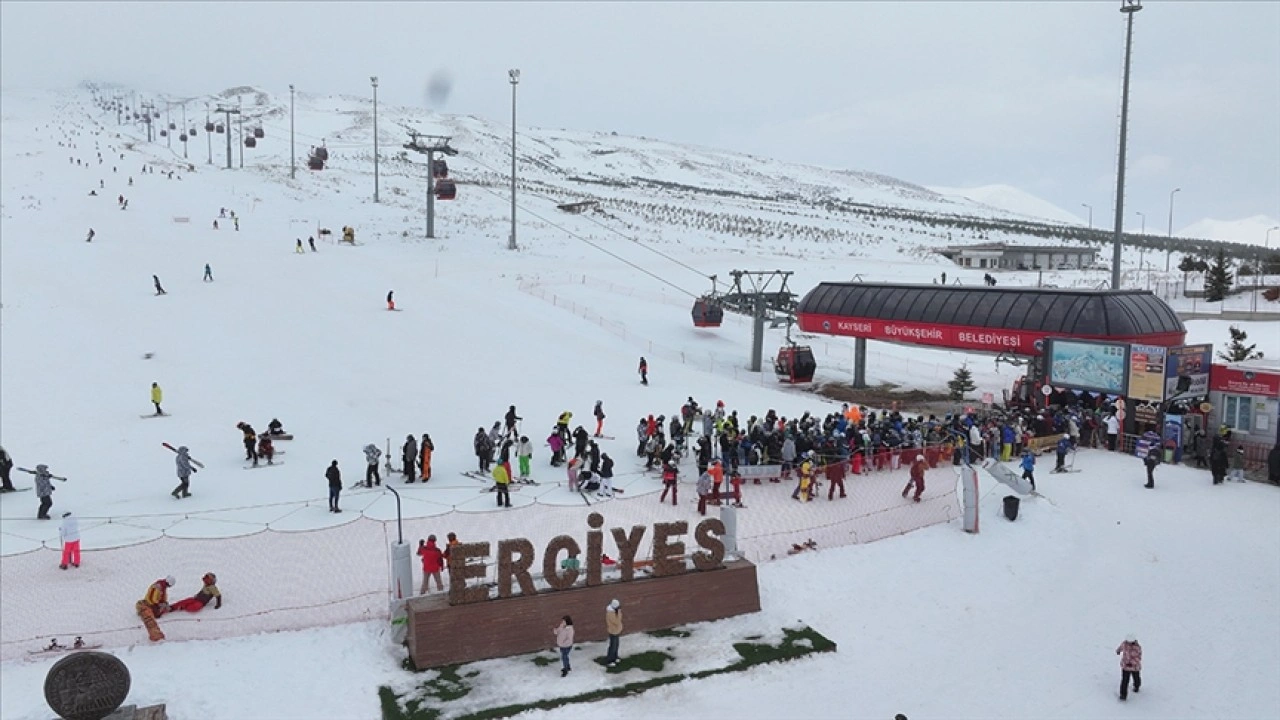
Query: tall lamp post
[[1168, 253], [514, 76], [374, 79], [293, 162], [1142, 215], [1142, 251], [1090, 207], [1128, 7]]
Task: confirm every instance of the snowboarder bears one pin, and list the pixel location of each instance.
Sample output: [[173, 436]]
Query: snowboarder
[[613, 626], [69, 533], [297, 246], [1029, 467], [312, 242], [159, 289], [426, 447], [6, 465], [606, 476], [409, 456], [157, 598], [599, 415], [208, 592], [334, 476], [44, 489], [208, 273], [266, 448], [250, 439], [524, 455], [157, 396], [90, 237], [1151, 460], [371, 455], [1063, 447], [644, 372], [483, 449], [917, 478], [185, 470], [564, 641], [1130, 653], [275, 427], [391, 303], [432, 563]]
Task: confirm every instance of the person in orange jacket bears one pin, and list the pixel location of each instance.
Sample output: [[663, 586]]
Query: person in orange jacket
[[157, 597], [427, 448], [716, 471]]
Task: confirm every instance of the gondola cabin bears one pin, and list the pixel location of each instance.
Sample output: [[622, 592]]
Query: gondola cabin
[[250, 142], [707, 313], [183, 137], [795, 364], [219, 128], [173, 126], [446, 190], [208, 127], [439, 169], [164, 133], [259, 133]]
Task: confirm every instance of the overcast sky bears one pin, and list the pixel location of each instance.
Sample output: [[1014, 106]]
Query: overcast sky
[[954, 93]]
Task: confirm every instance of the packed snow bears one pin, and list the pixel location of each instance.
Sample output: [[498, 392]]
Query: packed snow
[[1018, 621], [1014, 200]]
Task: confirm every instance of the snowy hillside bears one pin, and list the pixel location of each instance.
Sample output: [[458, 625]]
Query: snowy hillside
[[1011, 199], [1250, 230], [556, 325]]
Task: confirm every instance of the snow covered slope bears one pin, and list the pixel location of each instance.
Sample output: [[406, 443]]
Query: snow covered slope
[[1250, 230], [1011, 199]]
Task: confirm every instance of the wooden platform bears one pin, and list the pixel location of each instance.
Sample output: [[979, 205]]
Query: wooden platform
[[444, 634]]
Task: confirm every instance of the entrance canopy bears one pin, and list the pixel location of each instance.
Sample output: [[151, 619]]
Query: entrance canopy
[[998, 320]]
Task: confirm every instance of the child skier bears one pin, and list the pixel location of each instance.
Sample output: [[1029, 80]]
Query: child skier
[[69, 533], [1029, 467], [196, 602], [1063, 447], [599, 415], [265, 447], [524, 455], [157, 397], [644, 372], [44, 489]]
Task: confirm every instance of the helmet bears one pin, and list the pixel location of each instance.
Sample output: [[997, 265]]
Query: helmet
[[168, 580], [210, 579]]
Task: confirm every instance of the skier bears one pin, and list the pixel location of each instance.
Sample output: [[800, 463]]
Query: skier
[[483, 450], [234, 219], [644, 372], [215, 224], [409, 456], [524, 455], [1130, 653], [1064, 445], [1151, 460], [670, 476], [265, 447], [297, 246], [599, 415], [511, 419], [90, 237], [334, 476], [6, 465], [159, 289], [606, 476], [69, 533], [917, 478], [312, 242], [250, 438], [556, 443], [371, 456], [208, 273], [642, 436], [185, 470], [432, 563], [502, 478], [613, 627], [157, 396], [44, 489], [208, 592], [1029, 467], [391, 303], [426, 447]]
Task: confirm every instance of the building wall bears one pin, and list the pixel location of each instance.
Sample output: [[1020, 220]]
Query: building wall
[[1262, 421]]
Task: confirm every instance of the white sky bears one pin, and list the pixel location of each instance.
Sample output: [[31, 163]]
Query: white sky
[[957, 94]]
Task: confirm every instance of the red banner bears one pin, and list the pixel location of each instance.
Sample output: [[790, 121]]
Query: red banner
[[1244, 382], [957, 337]]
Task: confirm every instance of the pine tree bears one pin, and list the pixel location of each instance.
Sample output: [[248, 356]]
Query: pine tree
[[1218, 281], [1237, 350], [961, 383]]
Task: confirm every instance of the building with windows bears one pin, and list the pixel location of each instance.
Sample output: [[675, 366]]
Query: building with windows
[[1245, 397], [1001, 256]]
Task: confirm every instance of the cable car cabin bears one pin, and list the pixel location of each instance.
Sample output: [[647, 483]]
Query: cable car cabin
[[192, 132], [795, 364], [259, 133], [164, 133], [315, 163], [182, 137], [208, 127], [220, 129], [439, 169], [322, 152], [250, 142], [446, 190], [173, 126], [706, 313]]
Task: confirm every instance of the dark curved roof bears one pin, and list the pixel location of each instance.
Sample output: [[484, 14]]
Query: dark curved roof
[[1085, 313]]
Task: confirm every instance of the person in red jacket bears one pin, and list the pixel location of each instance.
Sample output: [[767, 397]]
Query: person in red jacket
[[1130, 653], [917, 478], [209, 591], [432, 563]]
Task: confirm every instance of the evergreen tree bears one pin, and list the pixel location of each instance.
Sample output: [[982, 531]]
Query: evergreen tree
[[962, 383], [1237, 350], [1218, 281]]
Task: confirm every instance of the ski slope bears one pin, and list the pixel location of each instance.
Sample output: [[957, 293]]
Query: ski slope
[[556, 325]]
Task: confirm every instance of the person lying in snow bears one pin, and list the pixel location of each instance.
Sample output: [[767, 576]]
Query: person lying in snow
[[197, 602]]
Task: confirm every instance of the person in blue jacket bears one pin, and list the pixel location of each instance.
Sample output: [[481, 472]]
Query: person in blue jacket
[[1029, 468], [1064, 446], [1006, 440]]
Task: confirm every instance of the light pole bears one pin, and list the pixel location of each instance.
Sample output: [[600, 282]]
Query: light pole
[[1142, 249], [514, 76], [1128, 7], [374, 79], [1142, 215], [1168, 252], [293, 162], [1087, 205]]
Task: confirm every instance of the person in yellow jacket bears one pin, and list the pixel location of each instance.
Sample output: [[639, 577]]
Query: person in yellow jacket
[[157, 396], [803, 490], [157, 597], [613, 626], [503, 479]]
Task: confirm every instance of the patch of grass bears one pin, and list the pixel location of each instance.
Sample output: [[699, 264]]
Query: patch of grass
[[412, 710], [543, 660], [651, 661], [448, 685], [669, 633], [507, 711], [795, 642]]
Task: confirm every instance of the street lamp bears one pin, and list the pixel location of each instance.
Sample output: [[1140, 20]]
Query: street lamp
[[1142, 215], [1128, 8], [374, 79], [1168, 252], [1268, 240], [1087, 205], [514, 76], [293, 162]]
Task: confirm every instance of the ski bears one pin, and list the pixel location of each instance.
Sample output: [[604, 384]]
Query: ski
[[148, 416], [477, 476], [262, 465], [494, 489], [21, 489], [194, 461], [585, 499], [526, 481]]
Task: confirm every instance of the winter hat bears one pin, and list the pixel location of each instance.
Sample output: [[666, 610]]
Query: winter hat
[[168, 580], [614, 604], [1131, 638], [919, 458]]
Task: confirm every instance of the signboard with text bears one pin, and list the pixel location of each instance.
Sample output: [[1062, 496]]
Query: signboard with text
[[1245, 382], [1146, 372], [1191, 361]]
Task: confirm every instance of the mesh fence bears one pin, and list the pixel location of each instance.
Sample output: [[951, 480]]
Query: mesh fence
[[274, 579]]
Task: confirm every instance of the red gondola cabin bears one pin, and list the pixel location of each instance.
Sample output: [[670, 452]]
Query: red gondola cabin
[[795, 364], [446, 190], [707, 313]]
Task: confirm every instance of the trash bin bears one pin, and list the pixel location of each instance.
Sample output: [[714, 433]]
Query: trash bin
[[1011, 503]]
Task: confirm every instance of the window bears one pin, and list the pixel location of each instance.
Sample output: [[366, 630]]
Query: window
[[1237, 412]]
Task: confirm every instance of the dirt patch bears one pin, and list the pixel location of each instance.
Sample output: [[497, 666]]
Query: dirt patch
[[884, 396]]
